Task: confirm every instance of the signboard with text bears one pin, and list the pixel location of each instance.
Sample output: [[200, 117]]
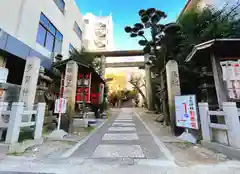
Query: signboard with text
[[60, 106], [186, 111]]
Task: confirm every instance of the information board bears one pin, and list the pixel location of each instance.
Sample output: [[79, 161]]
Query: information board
[[186, 111], [60, 106]]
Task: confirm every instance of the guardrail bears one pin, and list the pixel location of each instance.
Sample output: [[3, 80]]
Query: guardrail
[[230, 114], [12, 120]]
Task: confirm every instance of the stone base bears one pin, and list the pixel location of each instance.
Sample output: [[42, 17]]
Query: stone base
[[22, 147], [57, 134], [90, 115], [226, 150], [80, 122], [188, 137]]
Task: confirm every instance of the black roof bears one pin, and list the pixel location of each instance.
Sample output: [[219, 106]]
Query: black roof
[[227, 48], [61, 65]]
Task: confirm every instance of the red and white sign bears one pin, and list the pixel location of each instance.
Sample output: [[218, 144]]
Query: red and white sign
[[60, 106]]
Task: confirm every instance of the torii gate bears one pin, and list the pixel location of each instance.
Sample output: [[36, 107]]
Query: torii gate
[[128, 53]]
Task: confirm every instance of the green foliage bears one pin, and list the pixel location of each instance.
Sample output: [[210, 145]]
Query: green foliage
[[150, 20], [83, 56], [86, 58], [201, 26]]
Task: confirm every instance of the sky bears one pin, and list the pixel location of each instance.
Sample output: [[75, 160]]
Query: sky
[[125, 13]]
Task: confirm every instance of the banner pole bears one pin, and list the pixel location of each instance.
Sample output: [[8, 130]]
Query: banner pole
[[60, 103]]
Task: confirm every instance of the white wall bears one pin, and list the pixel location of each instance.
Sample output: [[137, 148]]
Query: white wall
[[20, 18]]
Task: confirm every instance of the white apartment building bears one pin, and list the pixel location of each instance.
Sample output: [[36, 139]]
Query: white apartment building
[[99, 32], [42, 28]]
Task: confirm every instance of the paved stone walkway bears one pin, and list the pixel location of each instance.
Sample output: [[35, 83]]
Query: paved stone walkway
[[123, 136], [124, 144]]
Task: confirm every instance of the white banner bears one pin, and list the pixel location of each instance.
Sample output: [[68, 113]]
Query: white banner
[[60, 106], [186, 111]]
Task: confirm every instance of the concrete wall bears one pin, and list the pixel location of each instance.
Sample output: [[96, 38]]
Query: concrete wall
[[20, 18]]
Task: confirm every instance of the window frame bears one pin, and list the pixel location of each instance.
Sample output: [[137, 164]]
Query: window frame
[[71, 48], [58, 4], [49, 28], [77, 30]]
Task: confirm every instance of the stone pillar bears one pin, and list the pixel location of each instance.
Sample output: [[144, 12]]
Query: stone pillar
[[205, 120], [148, 80], [232, 122], [39, 121], [173, 88], [14, 124], [70, 87], [29, 84], [103, 66]]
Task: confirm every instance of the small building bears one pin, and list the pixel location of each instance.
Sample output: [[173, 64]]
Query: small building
[[90, 86], [216, 73]]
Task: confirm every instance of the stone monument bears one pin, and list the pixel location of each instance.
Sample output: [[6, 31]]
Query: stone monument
[[173, 88], [29, 84], [70, 87]]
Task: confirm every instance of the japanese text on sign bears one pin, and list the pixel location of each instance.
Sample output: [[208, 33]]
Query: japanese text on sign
[[186, 111]]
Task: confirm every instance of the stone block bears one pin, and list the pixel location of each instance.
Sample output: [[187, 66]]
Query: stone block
[[57, 134], [80, 123]]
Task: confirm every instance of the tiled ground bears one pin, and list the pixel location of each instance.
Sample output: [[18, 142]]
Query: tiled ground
[[122, 136]]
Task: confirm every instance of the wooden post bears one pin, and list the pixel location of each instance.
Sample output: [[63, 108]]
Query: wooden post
[[218, 80], [164, 103]]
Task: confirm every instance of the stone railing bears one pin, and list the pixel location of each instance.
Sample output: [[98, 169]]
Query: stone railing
[[12, 120], [224, 137]]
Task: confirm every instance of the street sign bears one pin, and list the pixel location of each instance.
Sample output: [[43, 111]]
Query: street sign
[[60, 106], [186, 111]]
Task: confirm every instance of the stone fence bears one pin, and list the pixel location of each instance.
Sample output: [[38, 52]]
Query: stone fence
[[224, 137], [12, 120]]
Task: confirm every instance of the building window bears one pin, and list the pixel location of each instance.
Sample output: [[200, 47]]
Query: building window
[[60, 4], [86, 21], [71, 49], [78, 30], [48, 36]]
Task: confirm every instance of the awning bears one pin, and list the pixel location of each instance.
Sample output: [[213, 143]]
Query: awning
[[61, 65], [221, 48], [15, 47]]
